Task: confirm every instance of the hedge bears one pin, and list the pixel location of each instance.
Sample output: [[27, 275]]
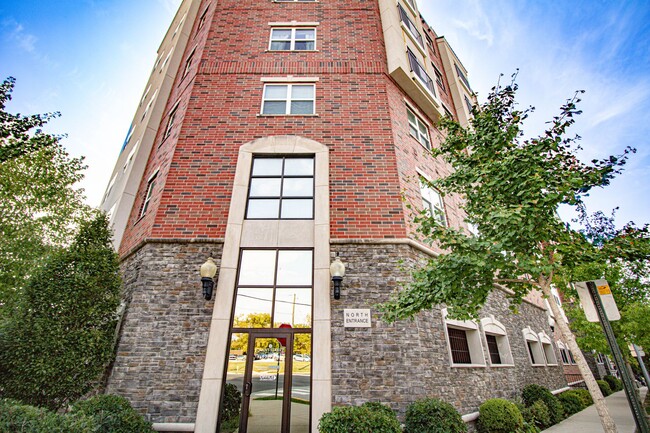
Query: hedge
[[614, 382], [499, 416], [433, 416], [604, 387], [532, 393], [359, 419]]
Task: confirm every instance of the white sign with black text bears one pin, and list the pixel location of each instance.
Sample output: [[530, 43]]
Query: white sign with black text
[[358, 318]]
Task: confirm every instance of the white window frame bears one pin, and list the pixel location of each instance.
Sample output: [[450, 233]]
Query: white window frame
[[424, 141], [289, 99], [493, 327], [538, 359], [151, 183], [473, 335], [548, 349], [188, 62], [292, 40], [436, 203], [564, 354], [203, 18]]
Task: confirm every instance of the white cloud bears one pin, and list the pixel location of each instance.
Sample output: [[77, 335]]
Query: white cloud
[[17, 34]]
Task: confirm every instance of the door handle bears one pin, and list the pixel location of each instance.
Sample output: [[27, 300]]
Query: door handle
[[248, 388]]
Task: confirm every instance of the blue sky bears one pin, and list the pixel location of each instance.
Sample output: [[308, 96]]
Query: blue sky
[[90, 60]]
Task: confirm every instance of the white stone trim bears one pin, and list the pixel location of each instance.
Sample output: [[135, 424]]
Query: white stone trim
[[294, 24], [240, 232], [173, 427], [493, 327], [289, 79], [471, 329]]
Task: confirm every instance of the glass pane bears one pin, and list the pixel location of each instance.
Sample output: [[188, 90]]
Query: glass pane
[[292, 307], [281, 34], [234, 383], [257, 268], [299, 167], [305, 34], [265, 410], [304, 46], [265, 187], [414, 132], [253, 308], [267, 167], [294, 268], [301, 383], [263, 208], [281, 46], [303, 187], [277, 107], [297, 209], [275, 91], [423, 129], [302, 107], [302, 92]]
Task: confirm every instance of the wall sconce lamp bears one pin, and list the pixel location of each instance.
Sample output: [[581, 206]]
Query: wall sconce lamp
[[337, 271], [208, 271]]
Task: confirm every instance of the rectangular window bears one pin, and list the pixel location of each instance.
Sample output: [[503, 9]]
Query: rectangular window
[[439, 78], [462, 76], [274, 288], [404, 16], [293, 39], [147, 197], [418, 129], [281, 188], [432, 50], [468, 103], [288, 99], [459, 347], [573, 361], [412, 4], [420, 72], [432, 202], [493, 347], [188, 62], [565, 358], [203, 18], [531, 352], [170, 122]]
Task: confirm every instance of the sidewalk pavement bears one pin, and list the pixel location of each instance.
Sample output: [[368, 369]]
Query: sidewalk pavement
[[587, 421]]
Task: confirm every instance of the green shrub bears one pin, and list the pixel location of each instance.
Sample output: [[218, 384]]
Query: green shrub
[[571, 401], [604, 387], [18, 418], [584, 395], [614, 382], [359, 419], [231, 404], [376, 406], [433, 416], [112, 414], [532, 393], [529, 428], [537, 415], [499, 416]]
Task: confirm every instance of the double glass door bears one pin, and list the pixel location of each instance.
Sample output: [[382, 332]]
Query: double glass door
[[268, 382]]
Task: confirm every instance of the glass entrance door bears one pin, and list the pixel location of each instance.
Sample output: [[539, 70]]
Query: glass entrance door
[[268, 384]]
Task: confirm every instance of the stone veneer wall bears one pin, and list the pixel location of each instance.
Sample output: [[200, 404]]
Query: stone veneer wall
[[164, 332], [409, 360]]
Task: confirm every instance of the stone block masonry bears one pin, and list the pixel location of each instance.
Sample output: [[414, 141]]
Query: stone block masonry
[[403, 362], [164, 333]]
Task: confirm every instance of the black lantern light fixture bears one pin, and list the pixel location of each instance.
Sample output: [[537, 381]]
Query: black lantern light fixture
[[337, 271], [208, 271]]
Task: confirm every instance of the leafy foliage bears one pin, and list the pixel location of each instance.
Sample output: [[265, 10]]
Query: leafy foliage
[[97, 415], [537, 414], [376, 406], [532, 393], [361, 419], [604, 387], [434, 416], [511, 191], [59, 339], [499, 416], [571, 402], [231, 405], [39, 207], [112, 414], [615, 384]]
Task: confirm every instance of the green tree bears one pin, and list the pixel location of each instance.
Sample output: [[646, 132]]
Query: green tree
[[512, 189], [57, 342], [39, 207]]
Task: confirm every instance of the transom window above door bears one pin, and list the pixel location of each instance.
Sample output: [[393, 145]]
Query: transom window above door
[[281, 188], [293, 39], [274, 289]]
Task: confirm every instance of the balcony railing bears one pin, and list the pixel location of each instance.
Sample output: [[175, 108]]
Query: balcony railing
[[420, 72], [409, 24]]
